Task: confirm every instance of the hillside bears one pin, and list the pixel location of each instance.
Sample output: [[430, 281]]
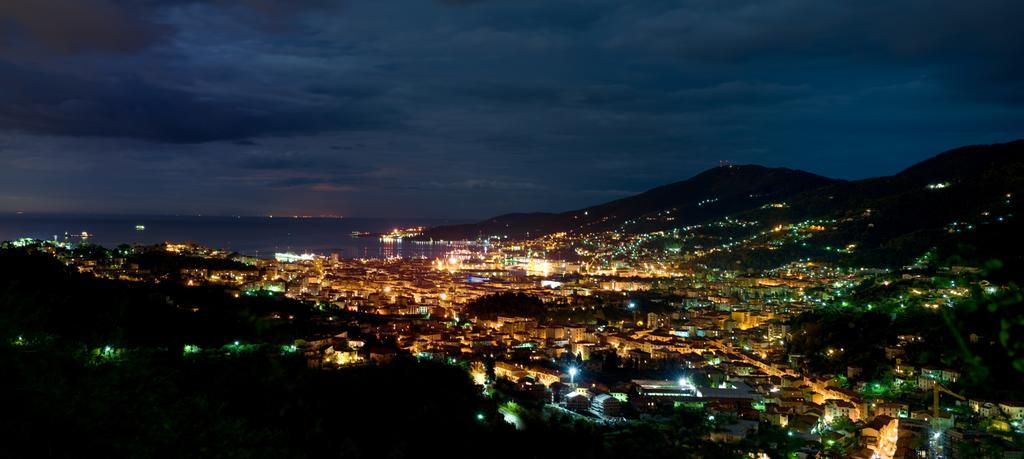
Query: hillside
[[962, 203], [709, 195]]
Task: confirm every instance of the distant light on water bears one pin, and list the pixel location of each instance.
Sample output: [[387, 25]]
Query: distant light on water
[[253, 236]]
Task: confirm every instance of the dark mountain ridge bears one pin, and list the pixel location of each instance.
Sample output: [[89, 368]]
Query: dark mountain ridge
[[926, 197], [709, 195], [966, 197], [971, 168]]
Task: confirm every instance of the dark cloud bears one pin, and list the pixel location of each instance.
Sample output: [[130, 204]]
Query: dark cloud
[[127, 106], [412, 107], [458, 2], [488, 184], [314, 185], [64, 27], [943, 36], [276, 161], [41, 28]]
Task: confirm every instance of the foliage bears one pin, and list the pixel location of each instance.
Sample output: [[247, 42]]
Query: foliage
[[39, 295], [249, 405], [978, 334]]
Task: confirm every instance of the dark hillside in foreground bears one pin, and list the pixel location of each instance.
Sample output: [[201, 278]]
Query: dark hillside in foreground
[[104, 364]]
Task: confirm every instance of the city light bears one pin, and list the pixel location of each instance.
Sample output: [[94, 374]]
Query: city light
[[390, 202], [685, 383], [512, 316]]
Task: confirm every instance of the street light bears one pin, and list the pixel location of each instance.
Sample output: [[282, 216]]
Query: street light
[[685, 383], [632, 305], [572, 375]]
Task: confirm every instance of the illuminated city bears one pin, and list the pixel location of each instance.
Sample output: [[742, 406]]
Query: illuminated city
[[618, 326], [475, 228]]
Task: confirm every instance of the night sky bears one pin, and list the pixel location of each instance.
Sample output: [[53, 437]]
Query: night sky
[[461, 108]]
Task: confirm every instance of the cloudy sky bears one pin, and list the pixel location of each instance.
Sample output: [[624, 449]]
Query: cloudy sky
[[463, 108]]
